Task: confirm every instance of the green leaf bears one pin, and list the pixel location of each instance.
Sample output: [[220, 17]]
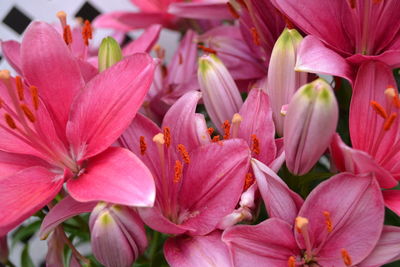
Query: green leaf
[[25, 232], [26, 260]]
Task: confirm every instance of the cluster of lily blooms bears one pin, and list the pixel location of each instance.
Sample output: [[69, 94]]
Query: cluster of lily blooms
[[116, 133]]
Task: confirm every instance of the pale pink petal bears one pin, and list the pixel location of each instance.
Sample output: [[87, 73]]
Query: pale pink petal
[[315, 57], [279, 200], [24, 193], [269, 243], [151, 5], [197, 251], [11, 52], [44, 59], [12, 163], [109, 102], [201, 10], [392, 200], [212, 188], [115, 176], [356, 217], [145, 42], [64, 210]]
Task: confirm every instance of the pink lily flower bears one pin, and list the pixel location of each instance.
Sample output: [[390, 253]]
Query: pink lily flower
[[55, 131], [327, 231]]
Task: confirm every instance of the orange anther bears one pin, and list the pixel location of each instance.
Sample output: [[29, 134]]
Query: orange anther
[[28, 113], [178, 168], [180, 57], [227, 128], [292, 261], [185, 155], [20, 87], [289, 23], [389, 121], [328, 221], [216, 138], [396, 101], [255, 35], [87, 32], [233, 11], [210, 131], [143, 145], [67, 34], [242, 3], [346, 257], [379, 109], [255, 144], [35, 96], [10, 121], [167, 136], [248, 181], [207, 49]]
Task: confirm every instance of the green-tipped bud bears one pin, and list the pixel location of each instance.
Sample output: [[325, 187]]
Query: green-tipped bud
[[109, 53]]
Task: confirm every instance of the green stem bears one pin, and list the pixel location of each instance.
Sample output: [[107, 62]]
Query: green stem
[[153, 247], [10, 264]]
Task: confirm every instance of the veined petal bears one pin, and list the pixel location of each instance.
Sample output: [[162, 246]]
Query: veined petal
[[24, 193], [115, 176], [197, 251], [11, 51], [145, 42], [201, 10], [392, 200], [109, 102], [255, 245]]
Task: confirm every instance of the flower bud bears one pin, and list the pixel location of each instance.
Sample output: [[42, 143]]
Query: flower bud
[[220, 93], [310, 123], [109, 53], [283, 80], [118, 235]]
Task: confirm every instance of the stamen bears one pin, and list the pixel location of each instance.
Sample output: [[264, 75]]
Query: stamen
[[159, 139], [301, 223], [216, 139], [143, 145], [159, 51], [227, 129], [207, 49], [178, 171], [67, 35], [10, 122], [379, 109], [62, 16], [328, 221], [292, 261], [255, 35], [185, 155], [352, 3], [389, 121], [87, 32], [233, 11], [301, 226], [5, 74], [289, 23], [180, 58], [248, 181], [167, 136], [20, 87], [346, 257], [255, 144], [236, 120], [35, 96], [210, 131], [391, 94], [28, 113]]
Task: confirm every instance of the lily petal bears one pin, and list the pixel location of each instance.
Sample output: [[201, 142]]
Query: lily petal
[[145, 42], [201, 10], [11, 51], [392, 200]]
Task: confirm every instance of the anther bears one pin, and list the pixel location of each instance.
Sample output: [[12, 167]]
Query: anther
[[5, 74], [159, 51], [292, 261], [346, 257], [236, 120], [233, 11], [379, 109], [10, 122], [20, 87], [184, 154], [180, 57], [67, 35], [216, 139], [62, 16], [255, 144], [255, 35], [207, 49], [328, 221], [167, 136], [227, 129], [389, 121], [300, 224], [178, 168], [392, 96], [28, 113], [35, 96], [210, 131], [143, 145], [159, 139], [352, 3], [289, 23], [87, 32], [248, 181]]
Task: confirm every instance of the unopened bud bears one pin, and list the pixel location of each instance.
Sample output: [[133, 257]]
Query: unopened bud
[[109, 53]]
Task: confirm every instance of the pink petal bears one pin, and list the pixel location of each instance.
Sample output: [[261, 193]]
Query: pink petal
[[389, 57], [99, 115], [64, 210], [201, 10], [145, 42], [115, 176], [280, 201], [258, 245], [24, 193], [356, 217], [197, 251], [11, 52], [212, 184], [257, 119], [315, 57], [392, 200], [11, 163], [44, 59]]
